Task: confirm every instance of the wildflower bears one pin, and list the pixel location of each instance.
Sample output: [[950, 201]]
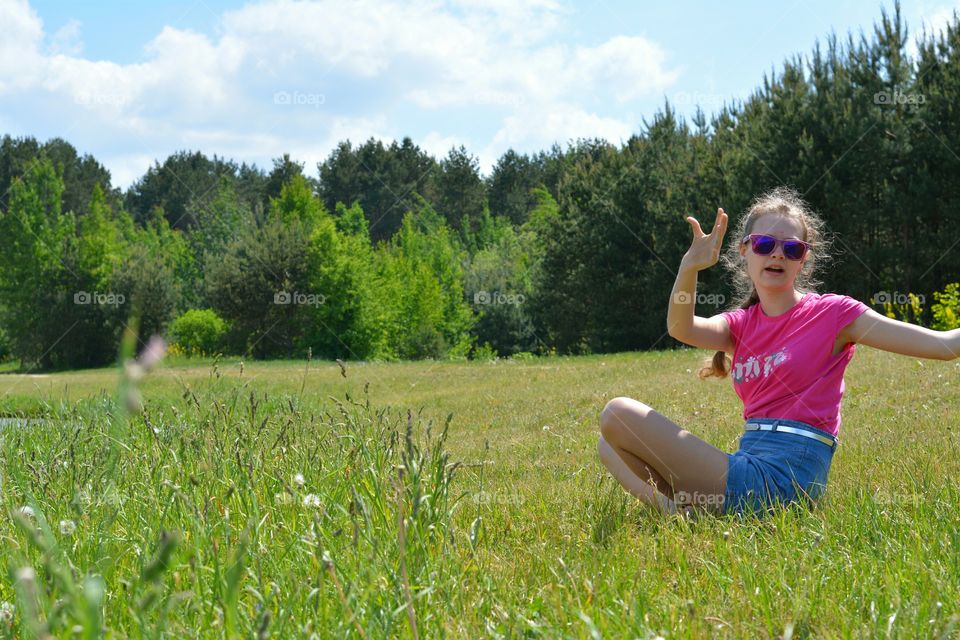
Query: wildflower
[[546, 427], [153, 353], [67, 527], [135, 370], [298, 480], [26, 510], [148, 359], [311, 500]]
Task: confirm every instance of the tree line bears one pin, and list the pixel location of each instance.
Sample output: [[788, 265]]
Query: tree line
[[386, 252]]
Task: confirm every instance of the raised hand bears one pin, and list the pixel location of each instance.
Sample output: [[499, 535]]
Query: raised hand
[[704, 251]]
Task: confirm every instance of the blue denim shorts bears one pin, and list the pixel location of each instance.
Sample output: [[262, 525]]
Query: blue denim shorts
[[777, 467]]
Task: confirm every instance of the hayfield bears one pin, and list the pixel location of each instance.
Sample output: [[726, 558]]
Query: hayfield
[[455, 499]]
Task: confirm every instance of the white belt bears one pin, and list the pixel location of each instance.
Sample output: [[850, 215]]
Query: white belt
[[765, 426]]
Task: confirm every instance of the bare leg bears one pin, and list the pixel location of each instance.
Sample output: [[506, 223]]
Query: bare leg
[[687, 467], [632, 479]]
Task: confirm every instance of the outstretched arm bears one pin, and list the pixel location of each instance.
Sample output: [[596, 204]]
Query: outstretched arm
[[876, 330]]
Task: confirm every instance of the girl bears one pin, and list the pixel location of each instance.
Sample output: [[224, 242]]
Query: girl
[[790, 347]]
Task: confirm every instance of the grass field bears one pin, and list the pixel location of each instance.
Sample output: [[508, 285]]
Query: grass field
[[284, 500]]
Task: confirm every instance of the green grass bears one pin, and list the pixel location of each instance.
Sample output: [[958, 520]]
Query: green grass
[[189, 518]]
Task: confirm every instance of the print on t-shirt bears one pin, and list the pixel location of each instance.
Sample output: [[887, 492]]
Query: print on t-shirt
[[750, 369]]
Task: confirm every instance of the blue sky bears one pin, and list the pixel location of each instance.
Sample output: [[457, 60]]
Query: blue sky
[[131, 82]]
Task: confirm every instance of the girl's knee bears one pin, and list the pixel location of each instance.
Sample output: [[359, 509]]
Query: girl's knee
[[616, 415], [609, 415]]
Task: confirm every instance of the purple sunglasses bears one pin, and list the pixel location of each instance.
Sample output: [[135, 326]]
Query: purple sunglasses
[[763, 245]]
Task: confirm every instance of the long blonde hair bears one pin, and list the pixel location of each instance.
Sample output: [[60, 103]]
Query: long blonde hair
[[779, 200]]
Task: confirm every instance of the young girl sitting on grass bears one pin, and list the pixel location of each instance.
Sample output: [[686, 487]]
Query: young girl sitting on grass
[[790, 347]]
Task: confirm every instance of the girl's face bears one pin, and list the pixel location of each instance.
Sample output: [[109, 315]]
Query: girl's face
[[782, 227]]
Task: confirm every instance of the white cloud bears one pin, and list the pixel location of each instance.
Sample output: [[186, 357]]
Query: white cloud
[[937, 19], [539, 128], [439, 145], [929, 21], [523, 23], [631, 67], [297, 77], [67, 39], [22, 35], [125, 169]]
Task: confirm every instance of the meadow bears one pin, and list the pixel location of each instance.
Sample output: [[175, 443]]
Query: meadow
[[455, 499]]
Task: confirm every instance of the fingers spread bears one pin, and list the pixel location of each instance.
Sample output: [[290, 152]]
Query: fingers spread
[[697, 231], [722, 219]]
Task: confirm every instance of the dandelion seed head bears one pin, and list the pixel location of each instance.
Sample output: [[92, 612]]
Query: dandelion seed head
[[26, 510], [26, 574], [311, 500], [67, 527], [298, 479], [133, 370]]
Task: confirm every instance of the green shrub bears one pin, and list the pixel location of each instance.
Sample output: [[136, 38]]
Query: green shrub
[[946, 312], [483, 352], [199, 331], [910, 311]]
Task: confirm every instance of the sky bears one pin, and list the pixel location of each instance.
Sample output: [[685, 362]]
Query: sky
[[132, 82]]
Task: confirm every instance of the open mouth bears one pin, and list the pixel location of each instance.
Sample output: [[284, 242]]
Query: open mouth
[[776, 270]]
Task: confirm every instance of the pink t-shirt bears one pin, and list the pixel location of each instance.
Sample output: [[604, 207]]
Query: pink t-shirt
[[783, 365]]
